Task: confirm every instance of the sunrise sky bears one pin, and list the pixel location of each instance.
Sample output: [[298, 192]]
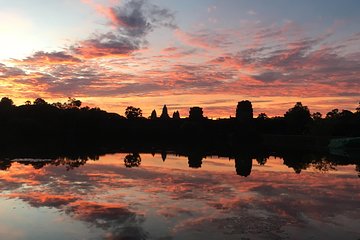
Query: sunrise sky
[[211, 53]]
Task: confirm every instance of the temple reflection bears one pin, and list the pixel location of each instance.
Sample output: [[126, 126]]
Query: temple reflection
[[296, 160], [195, 159], [163, 155], [243, 165]]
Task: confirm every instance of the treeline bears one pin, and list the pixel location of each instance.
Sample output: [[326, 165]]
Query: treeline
[[69, 125], [298, 120]]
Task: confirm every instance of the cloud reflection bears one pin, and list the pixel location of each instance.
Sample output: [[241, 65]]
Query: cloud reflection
[[180, 201]]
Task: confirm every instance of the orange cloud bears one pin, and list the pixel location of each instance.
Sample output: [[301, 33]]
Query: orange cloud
[[48, 58], [201, 66], [108, 45], [108, 12]]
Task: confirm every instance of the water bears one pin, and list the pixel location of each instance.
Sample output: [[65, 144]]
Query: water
[[156, 199]]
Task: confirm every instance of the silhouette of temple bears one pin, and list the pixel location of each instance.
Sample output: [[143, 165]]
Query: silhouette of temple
[[243, 165]]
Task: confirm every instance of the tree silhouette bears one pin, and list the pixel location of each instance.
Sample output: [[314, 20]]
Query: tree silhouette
[[133, 112], [70, 104], [6, 102], [244, 111], [333, 114], [298, 117], [262, 116], [164, 113], [316, 116], [67, 125], [196, 113], [40, 102], [73, 103], [346, 114]]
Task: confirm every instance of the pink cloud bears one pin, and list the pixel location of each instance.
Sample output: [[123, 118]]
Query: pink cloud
[[201, 40]]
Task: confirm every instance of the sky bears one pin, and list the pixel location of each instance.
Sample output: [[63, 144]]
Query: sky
[[209, 53]]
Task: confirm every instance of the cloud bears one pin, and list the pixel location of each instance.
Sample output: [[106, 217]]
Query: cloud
[[202, 39], [102, 215], [106, 45], [256, 61], [263, 70], [132, 21], [170, 49], [6, 72], [136, 18], [265, 34], [211, 9], [269, 76], [44, 200], [176, 53], [251, 13], [185, 78], [296, 63], [48, 58]]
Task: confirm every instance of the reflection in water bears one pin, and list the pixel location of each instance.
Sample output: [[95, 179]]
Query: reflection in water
[[122, 223], [132, 160], [163, 155], [297, 160], [5, 164], [243, 165], [195, 159], [147, 198]]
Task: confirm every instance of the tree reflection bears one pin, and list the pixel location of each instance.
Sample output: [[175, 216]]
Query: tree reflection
[[298, 160], [132, 160], [38, 162], [71, 163], [262, 159], [323, 165], [5, 165]]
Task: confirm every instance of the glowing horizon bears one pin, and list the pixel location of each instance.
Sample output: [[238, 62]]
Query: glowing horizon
[[212, 54]]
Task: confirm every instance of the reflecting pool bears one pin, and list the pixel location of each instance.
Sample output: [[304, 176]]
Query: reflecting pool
[[167, 196]]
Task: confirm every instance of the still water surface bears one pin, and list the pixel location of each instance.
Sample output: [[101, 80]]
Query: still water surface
[[156, 199]]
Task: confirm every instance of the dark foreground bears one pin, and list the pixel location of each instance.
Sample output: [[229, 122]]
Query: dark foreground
[[180, 195]]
